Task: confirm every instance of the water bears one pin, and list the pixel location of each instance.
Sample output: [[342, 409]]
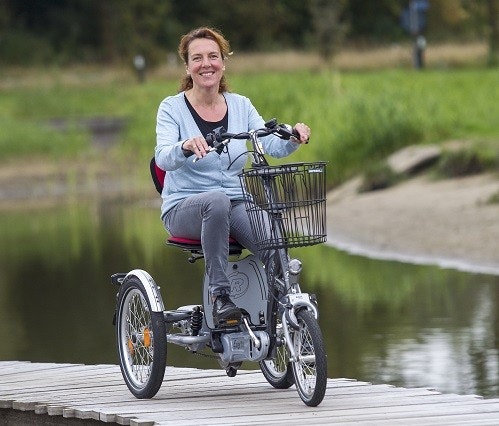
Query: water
[[384, 322]]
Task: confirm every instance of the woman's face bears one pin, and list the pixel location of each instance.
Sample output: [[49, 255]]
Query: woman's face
[[205, 63]]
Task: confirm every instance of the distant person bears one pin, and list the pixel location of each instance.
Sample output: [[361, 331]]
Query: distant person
[[203, 200]]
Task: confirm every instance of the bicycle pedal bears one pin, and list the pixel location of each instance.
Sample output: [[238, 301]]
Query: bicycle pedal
[[228, 322]]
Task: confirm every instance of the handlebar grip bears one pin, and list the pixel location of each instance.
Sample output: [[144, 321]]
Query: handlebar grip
[[285, 131], [297, 135]]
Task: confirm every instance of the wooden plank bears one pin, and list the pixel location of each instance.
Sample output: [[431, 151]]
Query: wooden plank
[[192, 409], [193, 396]]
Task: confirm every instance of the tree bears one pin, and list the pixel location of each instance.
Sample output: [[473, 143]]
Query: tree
[[493, 11], [330, 30]]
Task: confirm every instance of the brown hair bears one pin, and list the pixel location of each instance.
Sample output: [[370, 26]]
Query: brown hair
[[183, 51]]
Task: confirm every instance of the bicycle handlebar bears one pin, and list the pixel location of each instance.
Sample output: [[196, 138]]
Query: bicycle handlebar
[[219, 138], [284, 131]]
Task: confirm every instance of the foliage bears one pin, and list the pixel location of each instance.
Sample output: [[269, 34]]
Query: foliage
[[468, 161], [112, 30], [494, 198], [378, 176], [493, 12], [329, 27], [62, 31]]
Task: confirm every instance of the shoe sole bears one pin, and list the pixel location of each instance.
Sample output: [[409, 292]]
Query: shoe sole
[[230, 319]]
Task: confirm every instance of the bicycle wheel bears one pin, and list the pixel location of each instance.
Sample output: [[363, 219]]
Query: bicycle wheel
[[278, 370], [141, 340], [310, 368]]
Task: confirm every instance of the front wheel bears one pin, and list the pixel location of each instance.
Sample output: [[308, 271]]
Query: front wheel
[[141, 340], [310, 365]]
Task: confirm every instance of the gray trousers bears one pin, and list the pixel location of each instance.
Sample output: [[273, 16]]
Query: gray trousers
[[211, 217]]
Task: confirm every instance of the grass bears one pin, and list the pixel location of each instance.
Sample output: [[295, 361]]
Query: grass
[[494, 198], [467, 157], [361, 117], [357, 117]]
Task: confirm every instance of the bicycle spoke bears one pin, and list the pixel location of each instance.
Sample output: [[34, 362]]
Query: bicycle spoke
[[138, 321]]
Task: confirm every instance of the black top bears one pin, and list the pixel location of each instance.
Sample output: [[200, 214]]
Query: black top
[[207, 126]]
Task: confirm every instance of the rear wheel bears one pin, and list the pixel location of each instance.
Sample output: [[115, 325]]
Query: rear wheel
[[278, 370], [141, 340], [310, 367]]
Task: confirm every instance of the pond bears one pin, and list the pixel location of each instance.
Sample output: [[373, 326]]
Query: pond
[[384, 322]]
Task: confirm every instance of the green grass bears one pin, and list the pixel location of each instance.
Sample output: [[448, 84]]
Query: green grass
[[360, 117], [356, 118]]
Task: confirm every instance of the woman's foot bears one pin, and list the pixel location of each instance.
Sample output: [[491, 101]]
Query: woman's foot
[[225, 313]]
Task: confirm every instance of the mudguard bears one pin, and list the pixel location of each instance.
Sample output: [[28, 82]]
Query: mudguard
[[152, 290]]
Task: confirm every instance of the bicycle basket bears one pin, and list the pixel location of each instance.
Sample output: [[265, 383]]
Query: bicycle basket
[[286, 204]]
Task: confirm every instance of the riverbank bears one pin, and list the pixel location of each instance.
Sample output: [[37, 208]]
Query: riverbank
[[448, 223]]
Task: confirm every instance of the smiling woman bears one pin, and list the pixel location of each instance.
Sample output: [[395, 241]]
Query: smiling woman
[[205, 67], [220, 49], [204, 200]]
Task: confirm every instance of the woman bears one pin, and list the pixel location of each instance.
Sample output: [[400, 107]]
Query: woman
[[203, 199]]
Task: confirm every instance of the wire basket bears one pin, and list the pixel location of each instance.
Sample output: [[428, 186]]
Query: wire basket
[[286, 204]]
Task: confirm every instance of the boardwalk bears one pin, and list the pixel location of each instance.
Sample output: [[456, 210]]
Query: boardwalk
[[209, 397]]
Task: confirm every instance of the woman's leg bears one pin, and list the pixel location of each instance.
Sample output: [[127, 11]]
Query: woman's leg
[[240, 229], [205, 216]]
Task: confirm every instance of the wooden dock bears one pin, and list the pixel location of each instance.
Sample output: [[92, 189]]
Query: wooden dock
[[208, 397]]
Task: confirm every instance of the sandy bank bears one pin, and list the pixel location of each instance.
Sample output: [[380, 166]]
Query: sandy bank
[[447, 223]]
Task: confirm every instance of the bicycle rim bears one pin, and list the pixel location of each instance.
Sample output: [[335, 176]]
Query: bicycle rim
[[141, 343], [310, 367]]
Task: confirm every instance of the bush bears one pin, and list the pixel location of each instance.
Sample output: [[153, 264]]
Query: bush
[[467, 161], [494, 198], [378, 176], [18, 48]]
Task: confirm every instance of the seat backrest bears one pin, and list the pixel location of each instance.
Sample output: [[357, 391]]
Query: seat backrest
[[158, 175]]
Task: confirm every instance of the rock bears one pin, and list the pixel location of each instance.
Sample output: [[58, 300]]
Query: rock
[[413, 158]]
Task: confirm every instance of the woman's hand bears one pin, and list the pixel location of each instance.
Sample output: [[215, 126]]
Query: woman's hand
[[197, 146], [303, 131]]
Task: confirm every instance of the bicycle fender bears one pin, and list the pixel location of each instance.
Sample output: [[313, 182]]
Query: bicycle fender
[[297, 301], [151, 288]]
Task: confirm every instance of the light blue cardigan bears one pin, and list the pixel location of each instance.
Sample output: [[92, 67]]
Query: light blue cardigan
[[185, 177]]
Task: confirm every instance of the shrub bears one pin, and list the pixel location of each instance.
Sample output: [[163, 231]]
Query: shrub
[[378, 176], [19, 48], [494, 198], [466, 161]]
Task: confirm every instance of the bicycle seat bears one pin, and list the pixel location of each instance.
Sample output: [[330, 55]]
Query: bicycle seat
[[195, 245]]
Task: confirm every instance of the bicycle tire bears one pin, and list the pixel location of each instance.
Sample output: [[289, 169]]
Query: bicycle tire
[[310, 367], [141, 340], [277, 371]]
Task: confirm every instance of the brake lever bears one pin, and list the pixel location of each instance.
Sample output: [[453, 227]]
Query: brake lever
[[286, 132], [218, 148]]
